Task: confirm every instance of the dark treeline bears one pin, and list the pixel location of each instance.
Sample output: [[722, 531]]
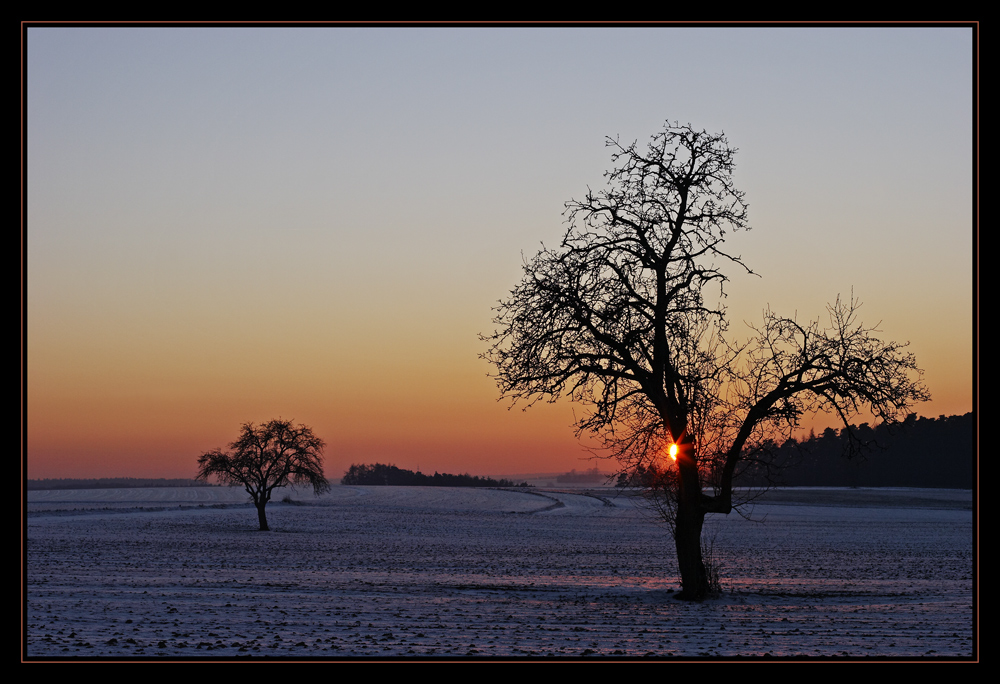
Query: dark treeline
[[918, 452], [112, 483], [381, 474]]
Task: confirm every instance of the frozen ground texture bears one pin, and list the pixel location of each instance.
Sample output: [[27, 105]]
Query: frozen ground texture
[[371, 572]]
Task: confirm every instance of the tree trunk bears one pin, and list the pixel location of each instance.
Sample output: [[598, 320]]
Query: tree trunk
[[261, 518], [688, 524], [687, 539]]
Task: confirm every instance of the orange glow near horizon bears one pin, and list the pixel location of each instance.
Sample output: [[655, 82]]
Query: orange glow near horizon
[[291, 273]]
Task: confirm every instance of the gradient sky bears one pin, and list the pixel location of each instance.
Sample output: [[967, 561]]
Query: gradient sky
[[232, 224]]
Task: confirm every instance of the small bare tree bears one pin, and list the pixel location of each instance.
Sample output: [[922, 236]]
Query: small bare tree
[[274, 454], [616, 318]]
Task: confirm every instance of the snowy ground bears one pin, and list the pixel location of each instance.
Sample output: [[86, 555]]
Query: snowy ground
[[374, 572]]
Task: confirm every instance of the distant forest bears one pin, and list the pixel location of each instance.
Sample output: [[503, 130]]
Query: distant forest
[[918, 452], [381, 474]]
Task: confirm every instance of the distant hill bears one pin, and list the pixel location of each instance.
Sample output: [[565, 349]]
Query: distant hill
[[112, 483], [592, 476]]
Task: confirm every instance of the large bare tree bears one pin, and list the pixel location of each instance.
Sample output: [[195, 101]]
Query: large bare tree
[[267, 456], [622, 318]]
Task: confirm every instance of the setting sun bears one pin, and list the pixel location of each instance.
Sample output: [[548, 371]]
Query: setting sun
[[673, 451]]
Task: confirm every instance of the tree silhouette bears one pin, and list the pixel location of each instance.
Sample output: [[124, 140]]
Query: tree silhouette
[[617, 318], [274, 454]]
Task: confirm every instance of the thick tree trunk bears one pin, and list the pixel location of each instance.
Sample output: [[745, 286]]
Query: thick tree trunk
[[262, 519], [687, 539], [688, 524]]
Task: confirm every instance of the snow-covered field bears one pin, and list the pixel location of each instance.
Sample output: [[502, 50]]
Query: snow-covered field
[[374, 572]]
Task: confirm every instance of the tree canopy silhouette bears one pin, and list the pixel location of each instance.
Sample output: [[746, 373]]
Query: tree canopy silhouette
[[617, 318], [274, 454]]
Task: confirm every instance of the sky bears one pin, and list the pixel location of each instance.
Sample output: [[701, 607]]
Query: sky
[[235, 224]]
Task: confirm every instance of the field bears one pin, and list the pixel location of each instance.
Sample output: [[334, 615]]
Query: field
[[376, 572]]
